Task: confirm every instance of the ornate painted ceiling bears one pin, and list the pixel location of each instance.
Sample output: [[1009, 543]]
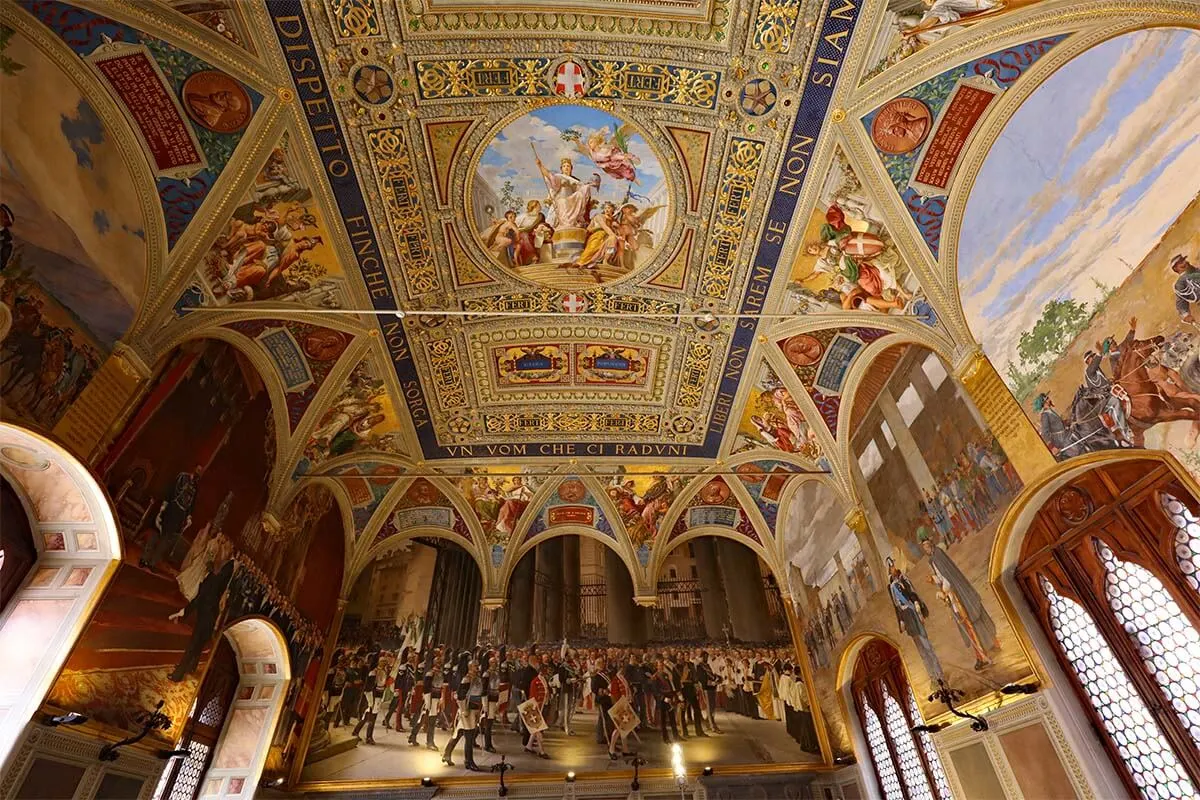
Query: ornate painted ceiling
[[633, 258]]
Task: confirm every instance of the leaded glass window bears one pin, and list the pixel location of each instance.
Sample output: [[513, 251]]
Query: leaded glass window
[[906, 765], [1111, 566], [1153, 764], [880, 754], [1159, 629], [931, 754], [1187, 538], [906, 749]]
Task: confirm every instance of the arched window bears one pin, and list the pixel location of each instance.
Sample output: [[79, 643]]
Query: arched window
[[906, 764], [1110, 568]]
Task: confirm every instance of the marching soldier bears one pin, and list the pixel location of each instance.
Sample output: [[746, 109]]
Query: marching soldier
[[491, 709], [470, 703]]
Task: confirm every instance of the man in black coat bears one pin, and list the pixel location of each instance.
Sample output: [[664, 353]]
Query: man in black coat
[[206, 606]]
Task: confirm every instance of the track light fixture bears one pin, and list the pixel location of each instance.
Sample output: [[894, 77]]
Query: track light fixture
[[69, 718]]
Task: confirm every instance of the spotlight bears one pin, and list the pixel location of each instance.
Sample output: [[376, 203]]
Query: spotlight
[[708, 771], [427, 782], [70, 718], [1019, 688], [167, 755], [278, 781], [570, 777]]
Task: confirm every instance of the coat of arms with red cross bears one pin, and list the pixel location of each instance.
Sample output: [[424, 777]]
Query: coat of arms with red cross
[[570, 80]]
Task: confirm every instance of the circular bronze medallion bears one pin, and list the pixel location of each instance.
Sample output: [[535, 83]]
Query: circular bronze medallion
[[715, 493], [216, 101], [422, 493], [803, 350], [1074, 505], [571, 491], [751, 473], [901, 125], [324, 344]]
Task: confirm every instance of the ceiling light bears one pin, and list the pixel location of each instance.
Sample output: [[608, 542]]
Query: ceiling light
[[708, 770], [570, 777], [427, 781]]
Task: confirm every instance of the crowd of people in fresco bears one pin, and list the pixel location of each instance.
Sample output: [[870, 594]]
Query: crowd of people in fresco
[[675, 692], [967, 494], [963, 501]]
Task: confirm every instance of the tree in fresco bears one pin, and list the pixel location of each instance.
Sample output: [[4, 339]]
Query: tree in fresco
[[1061, 321]]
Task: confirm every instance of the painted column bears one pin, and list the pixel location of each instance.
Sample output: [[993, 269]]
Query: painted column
[[619, 596], [1004, 415], [550, 559], [314, 704], [105, 405], [858, 522], [874, 521], [905, 443], [714, 602], [572, 623], [844, 579], [748, 605], [520, 601]]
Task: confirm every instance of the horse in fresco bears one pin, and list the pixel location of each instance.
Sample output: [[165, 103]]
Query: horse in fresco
[[1146, 370], [1087, 428]]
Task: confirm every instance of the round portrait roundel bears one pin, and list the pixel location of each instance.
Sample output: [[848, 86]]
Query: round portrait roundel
[[569, 197]]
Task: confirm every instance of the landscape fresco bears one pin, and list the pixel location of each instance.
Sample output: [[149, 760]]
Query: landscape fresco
[[73, 274], [568, 197], [1079, 250]]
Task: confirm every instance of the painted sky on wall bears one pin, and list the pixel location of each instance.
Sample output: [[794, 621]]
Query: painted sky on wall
[[1082, 183]]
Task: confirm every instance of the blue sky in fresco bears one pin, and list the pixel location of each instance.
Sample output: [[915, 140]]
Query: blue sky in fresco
[[509, 157], [1086, 177]]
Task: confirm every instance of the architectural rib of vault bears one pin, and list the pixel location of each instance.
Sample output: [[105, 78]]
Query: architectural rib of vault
[[390, 146]]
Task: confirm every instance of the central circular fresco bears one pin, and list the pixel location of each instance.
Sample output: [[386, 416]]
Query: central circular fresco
[[569, 196]]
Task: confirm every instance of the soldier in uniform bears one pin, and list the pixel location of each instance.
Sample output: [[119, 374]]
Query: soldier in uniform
[[470, 702], [568, 682], [431, 696], [539, 692], [691, 695], [665, 694], [491, 708], [707, 680], [373, 693], [602, 691]]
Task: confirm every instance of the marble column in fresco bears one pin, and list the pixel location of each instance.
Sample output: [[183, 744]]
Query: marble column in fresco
[[747, 602], [570, 584], [520, 601], [713, 600], [622, 626], [550, 559], [905, 443]]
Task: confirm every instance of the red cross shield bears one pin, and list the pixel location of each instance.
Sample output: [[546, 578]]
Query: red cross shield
[[569, 80]]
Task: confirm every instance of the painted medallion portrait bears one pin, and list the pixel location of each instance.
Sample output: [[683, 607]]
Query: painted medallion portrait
[[569, 197]]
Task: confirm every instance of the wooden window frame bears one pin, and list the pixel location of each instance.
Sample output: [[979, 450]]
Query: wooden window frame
[[879, 664], [1121, 506]]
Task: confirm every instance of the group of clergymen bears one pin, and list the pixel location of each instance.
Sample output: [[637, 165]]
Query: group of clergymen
[[466, 693]]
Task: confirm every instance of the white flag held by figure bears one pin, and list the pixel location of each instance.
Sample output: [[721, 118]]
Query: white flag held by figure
[[531, 715], [624, 718]]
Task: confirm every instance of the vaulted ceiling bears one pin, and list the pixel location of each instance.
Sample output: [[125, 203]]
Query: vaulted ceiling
[[688, 181]]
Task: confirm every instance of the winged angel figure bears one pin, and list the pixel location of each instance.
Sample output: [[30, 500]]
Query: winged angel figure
[[611, 152]]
